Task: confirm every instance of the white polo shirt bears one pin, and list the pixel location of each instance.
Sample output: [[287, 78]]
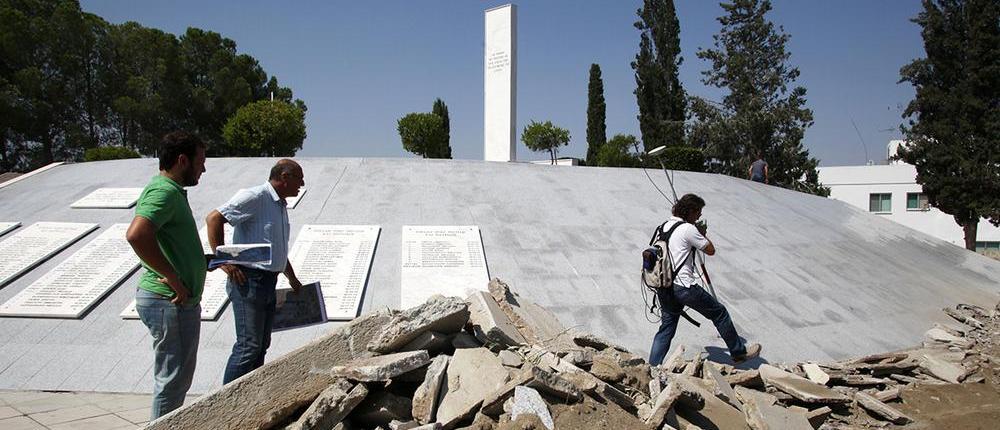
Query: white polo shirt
[[258, 215], [679, 247]]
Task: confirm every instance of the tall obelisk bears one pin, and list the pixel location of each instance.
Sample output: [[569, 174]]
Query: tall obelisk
[[500, 84]]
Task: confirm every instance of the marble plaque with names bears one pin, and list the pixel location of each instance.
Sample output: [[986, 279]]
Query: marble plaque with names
[[291, 202], [446, 260], [8, 226], [77, 283], [109, 198], [213, 297], [32, 245], [339, 258]]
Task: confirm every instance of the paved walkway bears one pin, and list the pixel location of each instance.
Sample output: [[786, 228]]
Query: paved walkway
[[31, 410]]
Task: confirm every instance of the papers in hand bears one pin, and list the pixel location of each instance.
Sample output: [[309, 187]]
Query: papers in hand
[[299, 309], [243, 255]]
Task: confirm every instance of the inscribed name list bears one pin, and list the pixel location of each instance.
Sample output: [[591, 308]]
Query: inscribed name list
[[109, 198], [7, 226], [339, 258], [34, 244], [446, 260], [213, 297], [77, 283]]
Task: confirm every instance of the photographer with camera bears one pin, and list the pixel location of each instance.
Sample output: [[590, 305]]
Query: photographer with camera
[[686, 237]]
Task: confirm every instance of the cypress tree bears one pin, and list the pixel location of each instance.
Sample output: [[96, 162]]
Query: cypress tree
[[659, 93], [440, 109], [596, 114]]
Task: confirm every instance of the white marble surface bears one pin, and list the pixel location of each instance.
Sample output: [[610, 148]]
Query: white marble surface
[[446, 260], [109, 198], [500, 84], [8, 226], [292, 202], [339, 257], [77, 283], [34, 244]]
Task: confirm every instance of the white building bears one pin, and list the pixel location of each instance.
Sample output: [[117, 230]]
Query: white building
[[891, 190]]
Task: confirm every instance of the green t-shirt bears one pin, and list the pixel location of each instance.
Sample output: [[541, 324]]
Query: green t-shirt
[[164, 203]]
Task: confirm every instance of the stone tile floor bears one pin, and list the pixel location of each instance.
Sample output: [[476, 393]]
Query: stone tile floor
[[30, 410]]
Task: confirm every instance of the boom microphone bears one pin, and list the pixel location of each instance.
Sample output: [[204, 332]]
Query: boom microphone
[[656, 150]]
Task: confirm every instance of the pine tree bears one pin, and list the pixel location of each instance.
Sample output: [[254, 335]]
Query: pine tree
[[596, 113], [954, 127], [658, 91], [759, 113], [440, 109]]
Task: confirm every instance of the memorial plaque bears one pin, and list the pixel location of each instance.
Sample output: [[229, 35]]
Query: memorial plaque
[[77, 283], [446, 260], [109, 198], [213, 297], [339, 258], [8, 226], [32, 245], [291, 202]]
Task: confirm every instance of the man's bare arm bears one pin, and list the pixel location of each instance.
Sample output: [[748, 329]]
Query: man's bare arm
[[141, 235], [293, 280]]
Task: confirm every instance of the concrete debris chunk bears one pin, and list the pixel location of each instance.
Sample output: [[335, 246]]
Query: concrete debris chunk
[[963, 318], [662, 405], [762, 414], [425, 398], [815, 374], [380, 408], [528, 401], [675, 360], [712, 412], [887, 395], [881, 409], [464, 340], [493, 405], [748, 378], [472, 375], [941, 335], [440, 314], [430, 341], [332, 405], [800, 388], [591, 341], [510, 358], [489, 323], [535, 323], [606, 368], [722, 387], [818, 416], [554, 385], [400, 425], [942, 369], [382, 367]]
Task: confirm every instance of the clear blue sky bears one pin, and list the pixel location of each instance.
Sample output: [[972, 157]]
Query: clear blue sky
[[359, 66]]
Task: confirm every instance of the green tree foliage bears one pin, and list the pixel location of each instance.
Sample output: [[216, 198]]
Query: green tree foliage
[[423, 134], [109, 153], [70, 81], [759, 111], [658, 91], [684, 158], [440, 109], [543, 136], [596, 113], [265, 129], [619, 151], [954, 126]]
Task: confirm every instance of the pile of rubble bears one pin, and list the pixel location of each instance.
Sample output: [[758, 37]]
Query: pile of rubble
[[495, 361]]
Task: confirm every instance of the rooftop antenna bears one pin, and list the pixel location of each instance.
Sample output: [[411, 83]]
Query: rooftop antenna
[[868, 160]]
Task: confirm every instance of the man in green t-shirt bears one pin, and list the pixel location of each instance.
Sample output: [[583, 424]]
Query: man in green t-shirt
[[165, 237]]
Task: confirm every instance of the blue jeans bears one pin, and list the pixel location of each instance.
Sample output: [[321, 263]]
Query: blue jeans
[[175, 330], [253, 311], [698, 299]]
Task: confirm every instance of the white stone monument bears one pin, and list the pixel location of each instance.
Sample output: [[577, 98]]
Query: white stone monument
[[77, 283], [339, 257], [8, 226], [32, 245], [446, 260], [500, 84], [109, 198]]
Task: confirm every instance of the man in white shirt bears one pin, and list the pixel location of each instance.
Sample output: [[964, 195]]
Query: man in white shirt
[[258, 215], [685, 240]]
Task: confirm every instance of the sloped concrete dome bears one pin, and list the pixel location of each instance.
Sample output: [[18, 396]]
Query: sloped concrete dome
[[808, 277]]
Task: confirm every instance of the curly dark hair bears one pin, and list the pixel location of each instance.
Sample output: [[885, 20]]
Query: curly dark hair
[[687, 205], [175, 144]]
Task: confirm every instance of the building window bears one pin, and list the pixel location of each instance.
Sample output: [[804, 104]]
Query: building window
[[880, 203], [987, 246], [917, 202]]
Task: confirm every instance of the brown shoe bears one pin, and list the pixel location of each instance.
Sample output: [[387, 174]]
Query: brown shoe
[[753, 351]]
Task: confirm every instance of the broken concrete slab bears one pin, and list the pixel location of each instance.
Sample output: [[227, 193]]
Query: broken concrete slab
[[815, 374], [380, 408], [940, 335], [762, 414], [493, 405], [536, 324], [748, 378], [463, 340], [606, 368], [430, 341], [663, 404], [332, 405], [489, 323], [675, 360], [425, 398], [800, 388], [382, 367], [472, 375], [942, 369], [722, 387], [528, 401], [713, 413], [881, 409], [887, 395], [591, 341], [510, 358], [963, 318], [818, 416], [554, 385], [440, 314]]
